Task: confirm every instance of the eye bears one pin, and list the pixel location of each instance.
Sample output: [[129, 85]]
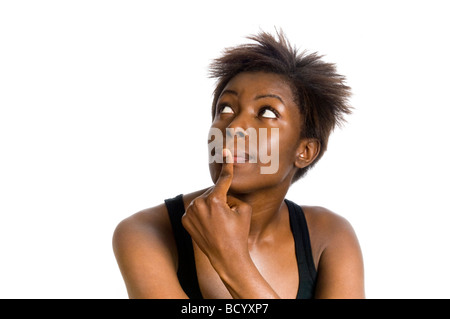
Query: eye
[[268, 112], [226, 109]]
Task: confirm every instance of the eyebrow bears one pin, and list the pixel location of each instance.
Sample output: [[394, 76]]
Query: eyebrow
[[229, 92], [256, 98], [269, 95]]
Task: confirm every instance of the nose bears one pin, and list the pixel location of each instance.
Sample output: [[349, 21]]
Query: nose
[[241, 123], [238, 131]]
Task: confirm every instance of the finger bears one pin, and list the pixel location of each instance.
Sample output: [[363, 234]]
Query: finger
[[207, 192], [226, 175]]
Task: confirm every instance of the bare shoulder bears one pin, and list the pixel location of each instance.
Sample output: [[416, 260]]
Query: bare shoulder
[[336, 253], [141, 228], [145, 222], [146, 253], [323, 224]]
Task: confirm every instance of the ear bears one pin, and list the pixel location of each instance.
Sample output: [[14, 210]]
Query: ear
[[307, 152]]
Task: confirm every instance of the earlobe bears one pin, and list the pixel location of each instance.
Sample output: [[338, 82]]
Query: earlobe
[[307, 152]]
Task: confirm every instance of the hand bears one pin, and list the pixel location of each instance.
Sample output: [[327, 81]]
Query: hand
[[219, 223]]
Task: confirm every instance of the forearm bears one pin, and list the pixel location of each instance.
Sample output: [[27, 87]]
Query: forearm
[[242, 278]]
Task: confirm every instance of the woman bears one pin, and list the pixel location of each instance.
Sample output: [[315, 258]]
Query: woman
[[241, 238]]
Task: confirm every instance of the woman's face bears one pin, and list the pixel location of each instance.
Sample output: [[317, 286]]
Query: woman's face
[[261, 104]]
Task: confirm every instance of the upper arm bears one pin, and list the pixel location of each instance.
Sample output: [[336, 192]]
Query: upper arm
[[146, 254], [340, 269]]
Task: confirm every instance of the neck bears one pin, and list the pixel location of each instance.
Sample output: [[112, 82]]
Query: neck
[[267, 207]]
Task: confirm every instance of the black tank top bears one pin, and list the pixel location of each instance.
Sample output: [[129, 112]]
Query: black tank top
[[187, 273]]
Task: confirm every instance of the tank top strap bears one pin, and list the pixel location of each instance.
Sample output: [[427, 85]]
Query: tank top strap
[[306, 269], [186, 272]]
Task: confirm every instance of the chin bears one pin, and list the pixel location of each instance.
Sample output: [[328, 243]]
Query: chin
[[246, 179], [243, 187]]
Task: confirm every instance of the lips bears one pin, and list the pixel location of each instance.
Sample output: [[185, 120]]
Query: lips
[[241, 157]]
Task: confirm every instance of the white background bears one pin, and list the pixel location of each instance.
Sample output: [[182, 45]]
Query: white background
[[105, 109]]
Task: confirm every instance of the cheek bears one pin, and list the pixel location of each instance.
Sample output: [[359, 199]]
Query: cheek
[[276, 150], [287, 148]]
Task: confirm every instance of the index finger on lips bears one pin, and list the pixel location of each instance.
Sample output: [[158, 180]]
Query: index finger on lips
[[226, 175]]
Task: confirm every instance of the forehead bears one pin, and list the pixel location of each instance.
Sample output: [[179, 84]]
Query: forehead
[[253, 83]]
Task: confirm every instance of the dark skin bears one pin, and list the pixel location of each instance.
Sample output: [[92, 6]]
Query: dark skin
[[242, 240]]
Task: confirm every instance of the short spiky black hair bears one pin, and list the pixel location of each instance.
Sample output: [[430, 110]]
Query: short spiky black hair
[[320, 92]]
